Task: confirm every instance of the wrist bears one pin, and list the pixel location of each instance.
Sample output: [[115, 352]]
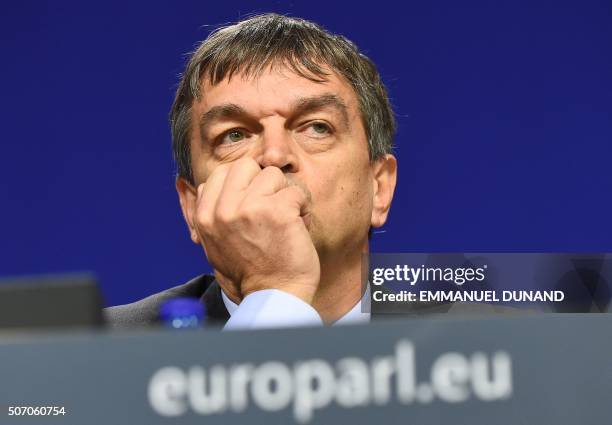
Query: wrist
[[304, 290]]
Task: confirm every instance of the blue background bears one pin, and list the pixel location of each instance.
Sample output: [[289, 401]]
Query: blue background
[[504, 141]]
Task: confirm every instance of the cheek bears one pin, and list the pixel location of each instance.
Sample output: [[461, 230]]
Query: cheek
[[343, 195], [201, 166]]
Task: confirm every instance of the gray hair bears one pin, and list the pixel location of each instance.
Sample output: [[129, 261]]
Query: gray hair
[[250, 46]]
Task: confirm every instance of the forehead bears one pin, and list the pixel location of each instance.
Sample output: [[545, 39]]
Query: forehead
[[273, 91]]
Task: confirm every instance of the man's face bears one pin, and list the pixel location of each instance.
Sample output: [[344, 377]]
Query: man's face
[[312, 131]]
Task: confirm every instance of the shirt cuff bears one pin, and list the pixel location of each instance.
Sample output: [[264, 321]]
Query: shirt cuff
[[272, 308]]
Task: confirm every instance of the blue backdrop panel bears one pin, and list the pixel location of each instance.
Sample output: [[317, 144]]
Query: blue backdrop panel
[[504, 141]]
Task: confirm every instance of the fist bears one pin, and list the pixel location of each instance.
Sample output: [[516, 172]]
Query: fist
[[253, 225]]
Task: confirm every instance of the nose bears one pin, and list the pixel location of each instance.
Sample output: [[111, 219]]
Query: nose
[[278, 150]]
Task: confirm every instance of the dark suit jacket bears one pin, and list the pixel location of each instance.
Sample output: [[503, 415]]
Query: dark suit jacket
[[207, 290], [145, 312]]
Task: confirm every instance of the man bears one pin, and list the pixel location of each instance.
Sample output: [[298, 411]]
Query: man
[[282, 134]]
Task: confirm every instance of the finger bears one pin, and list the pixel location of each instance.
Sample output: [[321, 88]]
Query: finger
[[269, 181], [208, 192], [240, 175], [295, 198]]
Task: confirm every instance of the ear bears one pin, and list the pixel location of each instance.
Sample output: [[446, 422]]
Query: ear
[[188, 195], [384, 179]]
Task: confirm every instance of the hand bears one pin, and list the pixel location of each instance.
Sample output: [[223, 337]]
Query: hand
[[253, 226]]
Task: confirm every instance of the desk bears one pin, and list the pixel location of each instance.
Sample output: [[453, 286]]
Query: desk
[[548, 369]]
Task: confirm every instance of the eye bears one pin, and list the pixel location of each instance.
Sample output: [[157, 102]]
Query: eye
[[232, 136], [318, 129]]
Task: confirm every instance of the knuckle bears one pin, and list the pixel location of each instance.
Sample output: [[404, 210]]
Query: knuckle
[[204, 222], [223, 214]]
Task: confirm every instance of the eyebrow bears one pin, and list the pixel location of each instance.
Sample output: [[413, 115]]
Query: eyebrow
[[314, 103], [300, 107], [225, 111]]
